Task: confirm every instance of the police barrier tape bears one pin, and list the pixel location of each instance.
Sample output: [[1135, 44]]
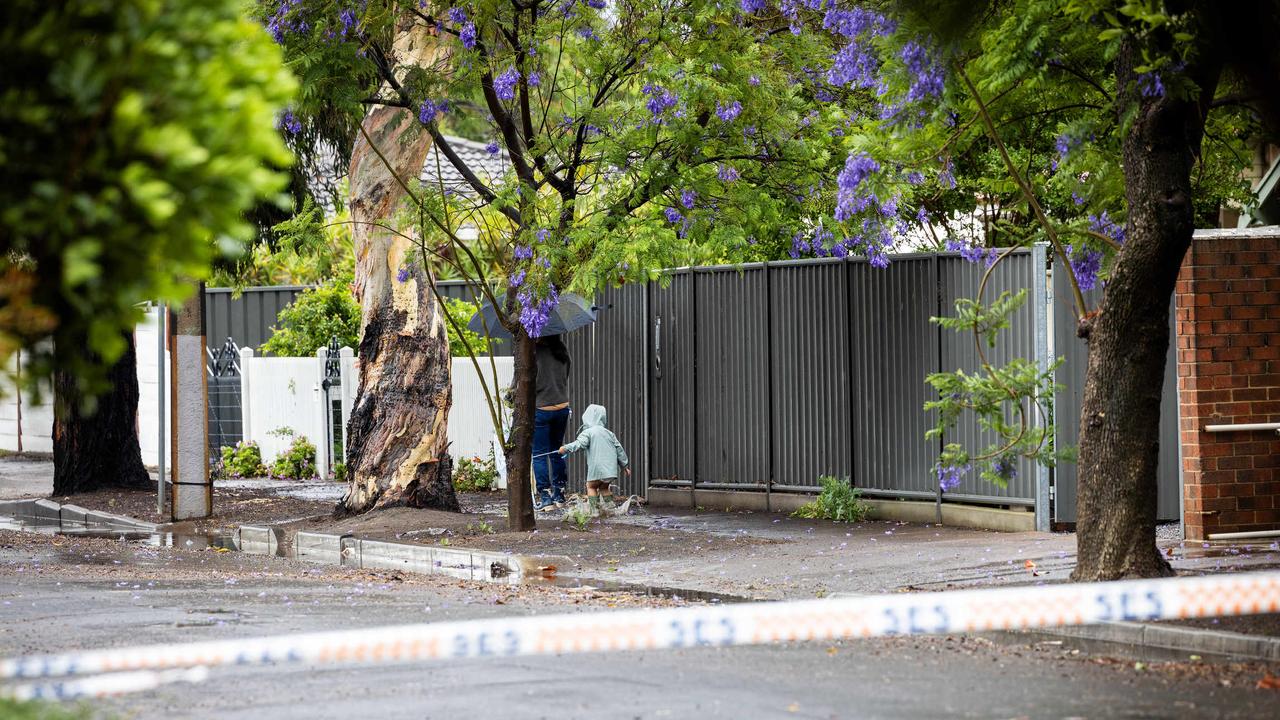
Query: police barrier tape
[[104, 685], [713, 625]]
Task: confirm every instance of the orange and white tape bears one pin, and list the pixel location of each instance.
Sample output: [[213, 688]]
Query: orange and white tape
[[713, 625]]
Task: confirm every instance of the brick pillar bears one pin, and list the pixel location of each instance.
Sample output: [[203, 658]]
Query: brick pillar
[[1228, 335]]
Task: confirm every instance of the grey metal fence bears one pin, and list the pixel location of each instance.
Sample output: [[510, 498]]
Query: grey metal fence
[[768, 376], [1071, 376], [249, 315]]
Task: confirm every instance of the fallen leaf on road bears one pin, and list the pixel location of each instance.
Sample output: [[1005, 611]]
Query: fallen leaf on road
[[832, 651], [1268, 682]]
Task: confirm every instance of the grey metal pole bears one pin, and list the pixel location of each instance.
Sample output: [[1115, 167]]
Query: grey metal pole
[[161, 397]]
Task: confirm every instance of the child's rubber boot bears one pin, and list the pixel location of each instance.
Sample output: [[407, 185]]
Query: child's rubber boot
[[593, 505], [607, 506]]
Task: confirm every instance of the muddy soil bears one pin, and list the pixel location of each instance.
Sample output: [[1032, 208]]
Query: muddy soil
[[232, 507]]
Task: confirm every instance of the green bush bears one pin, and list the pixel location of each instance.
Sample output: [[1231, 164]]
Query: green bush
[[243, 461], [314, 317], [838, 501], [474, 474], [296, 463], [460, 312], [339, 473]]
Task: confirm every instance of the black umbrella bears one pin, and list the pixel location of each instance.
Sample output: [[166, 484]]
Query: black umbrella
[[572, 312]]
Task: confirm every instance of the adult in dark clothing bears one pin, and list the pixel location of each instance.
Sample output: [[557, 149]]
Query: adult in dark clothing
[[550, 420]]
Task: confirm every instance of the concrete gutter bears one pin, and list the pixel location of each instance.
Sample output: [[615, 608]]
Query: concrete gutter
[[349, 551], [1194, 641]]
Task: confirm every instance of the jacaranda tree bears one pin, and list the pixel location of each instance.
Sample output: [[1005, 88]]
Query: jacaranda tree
[[1106, 130], [133, 137], [632, 129]]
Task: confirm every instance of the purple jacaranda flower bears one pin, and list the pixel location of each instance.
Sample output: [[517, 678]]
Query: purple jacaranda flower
[[728, 112], [750, 7], [673, 215], [402, 275], [949, 476], [517, 278], [727, 173], [523, 252], [289, 123], [1151, 85], [457, 16], [688, 198], [505, 84], [491, 148], [468, 35], [535, 79], [754, 80]]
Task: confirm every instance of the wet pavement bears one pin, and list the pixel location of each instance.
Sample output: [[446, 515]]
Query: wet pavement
[[62, 593]]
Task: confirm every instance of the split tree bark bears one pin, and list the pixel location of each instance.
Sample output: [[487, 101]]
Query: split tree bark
[[398, 445], [1128, 339], [96, 446]]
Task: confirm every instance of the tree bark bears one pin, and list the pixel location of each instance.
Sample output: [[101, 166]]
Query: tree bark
[[95, 444], [1129, 337], [398, 444], [520, 448]]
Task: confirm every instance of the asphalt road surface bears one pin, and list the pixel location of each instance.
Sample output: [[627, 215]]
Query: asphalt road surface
[[62, 594]]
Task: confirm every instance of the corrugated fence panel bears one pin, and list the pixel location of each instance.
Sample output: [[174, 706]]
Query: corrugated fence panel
[[1071, 376], [810, 373], [733, 378], [672, 403], [892, 347], [960, 279], [248, 318]]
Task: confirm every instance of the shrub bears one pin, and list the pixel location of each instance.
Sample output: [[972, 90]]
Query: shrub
[[243, 461], [838, 501], [461, 312], [339, 473], [296, 463], [314, 317], [474, 474]]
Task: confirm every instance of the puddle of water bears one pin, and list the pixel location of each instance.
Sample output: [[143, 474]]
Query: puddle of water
[[654, 591]]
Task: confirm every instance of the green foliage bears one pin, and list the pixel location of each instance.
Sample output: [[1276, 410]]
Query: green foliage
[[339, 473], [459, 314], [296, 463], [307, 250], [244, 460], [474, 474], [314, 317], [134, 136], [579, 516], [838, 500], [36, 710]]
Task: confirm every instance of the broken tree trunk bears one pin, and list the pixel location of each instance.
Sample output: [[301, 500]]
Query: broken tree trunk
[[398, 448]]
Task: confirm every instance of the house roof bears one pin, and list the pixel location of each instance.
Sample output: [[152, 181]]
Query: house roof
[[437, 169]]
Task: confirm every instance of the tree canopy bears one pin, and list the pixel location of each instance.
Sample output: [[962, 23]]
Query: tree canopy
[[133, 135]]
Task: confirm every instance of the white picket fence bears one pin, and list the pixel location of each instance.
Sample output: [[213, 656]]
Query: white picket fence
[[275, 393]]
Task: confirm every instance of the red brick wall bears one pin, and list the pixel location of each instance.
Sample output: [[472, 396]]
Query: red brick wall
[[1228, 335]]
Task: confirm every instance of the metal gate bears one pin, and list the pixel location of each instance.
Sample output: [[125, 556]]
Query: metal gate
[[225, 414]]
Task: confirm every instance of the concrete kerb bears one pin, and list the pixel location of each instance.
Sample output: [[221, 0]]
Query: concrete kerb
[[51, 512], [350, 551], [1179, 639]]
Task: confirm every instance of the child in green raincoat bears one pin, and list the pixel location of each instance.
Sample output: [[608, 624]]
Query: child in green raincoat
[[604, 456]]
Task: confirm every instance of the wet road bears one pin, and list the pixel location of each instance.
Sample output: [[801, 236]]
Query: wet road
[[78, 595]]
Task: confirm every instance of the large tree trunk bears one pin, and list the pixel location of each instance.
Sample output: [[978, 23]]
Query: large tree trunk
[[95, 444], [398, 447], [520, 447], [1128, 340]]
